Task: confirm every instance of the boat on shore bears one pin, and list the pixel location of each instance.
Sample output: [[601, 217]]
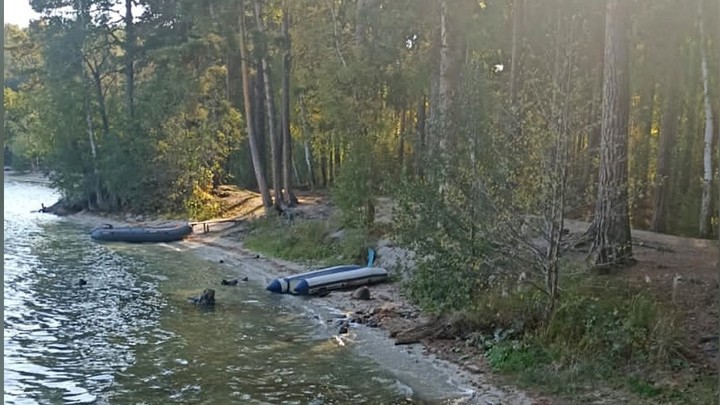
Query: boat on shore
[[285, 285], [340, 280], [141, 234]]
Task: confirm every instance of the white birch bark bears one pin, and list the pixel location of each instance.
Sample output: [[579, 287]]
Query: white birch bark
[[707, 154]]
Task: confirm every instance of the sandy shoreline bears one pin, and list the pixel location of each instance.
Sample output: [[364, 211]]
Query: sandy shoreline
[[431, 377], [30, 177]]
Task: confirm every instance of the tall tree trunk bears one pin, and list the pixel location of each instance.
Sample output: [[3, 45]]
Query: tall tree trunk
[[443, 81], [275, 147], [286, 138], [420, 149], [517, 9], [401, 141], [258, 110], [668, 134], [129, 60], [254, 151], [306, 136], [707, 155], [590, 169], [646, 122], [612, 243], [93, 153], [512, 116]]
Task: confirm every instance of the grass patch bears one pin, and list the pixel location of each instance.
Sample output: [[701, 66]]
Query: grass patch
[[603, 334], [322, 242]]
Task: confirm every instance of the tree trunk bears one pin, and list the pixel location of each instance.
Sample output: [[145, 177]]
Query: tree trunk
[[707, 154], [287, 162], [443, 81], [401, 141], [646, 121], [275, 147], [258, 110], [517, 9], [668, 135], [512, 125], [307, 136], [129, 60], [420, 147], [254, 151], [594, 125], [93, 153], [612, 245]]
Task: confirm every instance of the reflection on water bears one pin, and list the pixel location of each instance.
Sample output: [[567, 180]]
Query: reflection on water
[[129, 335]]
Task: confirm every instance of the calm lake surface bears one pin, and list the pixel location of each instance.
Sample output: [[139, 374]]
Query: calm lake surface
[[130, 337]]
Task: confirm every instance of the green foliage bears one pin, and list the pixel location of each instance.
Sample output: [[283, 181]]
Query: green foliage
[[202, 205], [594, 335], [354, 189], [321, 242], [625, 328]]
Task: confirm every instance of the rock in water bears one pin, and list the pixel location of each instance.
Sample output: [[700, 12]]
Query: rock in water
[[362, 293], [230, 282], [207, 298]]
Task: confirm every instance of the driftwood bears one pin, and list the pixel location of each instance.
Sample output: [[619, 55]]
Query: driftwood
[[62, 208], [437, 328]]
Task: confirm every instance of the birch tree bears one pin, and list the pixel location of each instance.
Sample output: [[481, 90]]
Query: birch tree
[[705, 228]]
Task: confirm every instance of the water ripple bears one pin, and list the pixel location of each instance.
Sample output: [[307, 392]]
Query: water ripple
[[130, 334]]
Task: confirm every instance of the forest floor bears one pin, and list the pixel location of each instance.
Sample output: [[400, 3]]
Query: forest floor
[[682, 270]]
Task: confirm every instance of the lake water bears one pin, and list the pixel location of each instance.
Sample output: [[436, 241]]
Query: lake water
[[130, 337]]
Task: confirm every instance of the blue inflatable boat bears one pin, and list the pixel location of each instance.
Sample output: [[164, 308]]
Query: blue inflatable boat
[[340, 280], [140, 234], [287, 284]]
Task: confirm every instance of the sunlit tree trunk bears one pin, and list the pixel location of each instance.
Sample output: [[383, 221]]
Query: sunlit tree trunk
[[254, 151], [420, 149], [443, 82], [129, 60], [707, 154], [612, 243], [668, 134], [286, 138], [275, 147], [306, 143]]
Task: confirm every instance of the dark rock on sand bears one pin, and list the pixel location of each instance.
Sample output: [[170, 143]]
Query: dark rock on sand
[[362, 293]]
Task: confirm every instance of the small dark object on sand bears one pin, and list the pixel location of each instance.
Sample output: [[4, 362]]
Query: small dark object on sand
[[230, 282], [222, 261], [362, 293], [81, 282], [344, 327], [206, 299]]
